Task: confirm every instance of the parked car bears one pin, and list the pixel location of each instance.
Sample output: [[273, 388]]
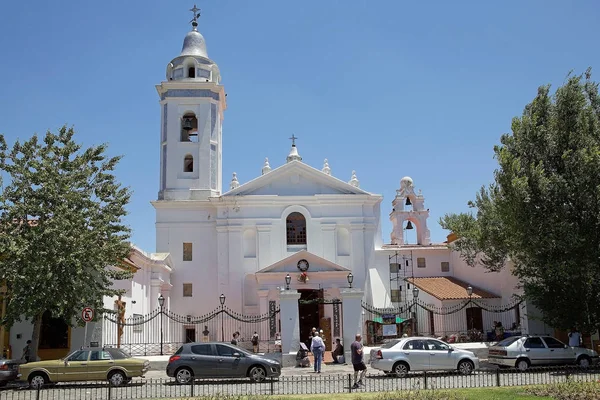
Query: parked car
[[523, 352], [400, 356], [86, 364], [9, 370], [219, 360]]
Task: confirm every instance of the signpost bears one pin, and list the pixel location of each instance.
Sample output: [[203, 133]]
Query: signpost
[[87, 315]]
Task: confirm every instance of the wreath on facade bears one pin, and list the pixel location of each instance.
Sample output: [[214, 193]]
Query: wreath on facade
[[303, 277]]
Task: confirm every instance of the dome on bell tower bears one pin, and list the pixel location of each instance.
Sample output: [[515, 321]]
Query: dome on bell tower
[[194, 45], [193, 62]]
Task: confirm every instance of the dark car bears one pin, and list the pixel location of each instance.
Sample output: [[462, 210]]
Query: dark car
[[219, 360], [9, 369]]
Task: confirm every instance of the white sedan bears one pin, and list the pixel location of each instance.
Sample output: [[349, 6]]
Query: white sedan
[[400, 356]]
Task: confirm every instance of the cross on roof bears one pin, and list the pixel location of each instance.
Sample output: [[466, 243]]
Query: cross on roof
[[293, 139], [196, 12]]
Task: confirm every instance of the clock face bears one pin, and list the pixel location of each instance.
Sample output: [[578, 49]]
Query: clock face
[[303, 265]]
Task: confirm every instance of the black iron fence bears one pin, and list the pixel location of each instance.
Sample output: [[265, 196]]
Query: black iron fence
[[308, 384], [465, 321], [163, 331]]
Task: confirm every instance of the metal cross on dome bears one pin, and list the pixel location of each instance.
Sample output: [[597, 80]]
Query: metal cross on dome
[[293, 139], [196, 12]]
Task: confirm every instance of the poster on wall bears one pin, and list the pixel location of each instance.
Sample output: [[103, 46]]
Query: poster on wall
[[390, 330]]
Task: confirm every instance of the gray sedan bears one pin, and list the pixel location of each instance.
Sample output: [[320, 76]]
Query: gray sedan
[[219, 360], [8, 371]]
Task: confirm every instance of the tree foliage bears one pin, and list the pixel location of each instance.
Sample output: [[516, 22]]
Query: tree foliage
[[61, 226], [543, 209]]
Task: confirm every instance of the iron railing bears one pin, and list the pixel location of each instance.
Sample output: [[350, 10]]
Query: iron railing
[[306, 384]]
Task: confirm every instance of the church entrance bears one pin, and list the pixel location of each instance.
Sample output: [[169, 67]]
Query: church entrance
[[309, 312]]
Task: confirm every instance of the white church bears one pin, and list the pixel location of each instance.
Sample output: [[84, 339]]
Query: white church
[[295, 232]]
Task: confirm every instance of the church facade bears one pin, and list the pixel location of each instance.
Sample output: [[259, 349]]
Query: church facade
[[296, 239]]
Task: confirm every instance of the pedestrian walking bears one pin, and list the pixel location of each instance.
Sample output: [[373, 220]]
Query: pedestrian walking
[[27, 352], [358, 362], [234, 341], [255, 342], [574, 338], [317, 347]]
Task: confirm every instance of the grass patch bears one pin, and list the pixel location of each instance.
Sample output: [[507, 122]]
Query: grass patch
[[510, 393]]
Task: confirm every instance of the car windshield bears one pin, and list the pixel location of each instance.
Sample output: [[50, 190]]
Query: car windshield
[[507, 342], [390, 344]]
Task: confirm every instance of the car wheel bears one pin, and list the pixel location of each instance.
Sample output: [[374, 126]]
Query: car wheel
[[522, 364], [117, 378], [257, 374], [400, 369], [584, 362], [184, 375], [38, 380], [465, 367]]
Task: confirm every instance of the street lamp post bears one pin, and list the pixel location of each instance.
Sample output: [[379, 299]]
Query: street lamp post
[[350, 279], [222, 300], [414, 313], [288, 280], [161, 303], [470, 294]]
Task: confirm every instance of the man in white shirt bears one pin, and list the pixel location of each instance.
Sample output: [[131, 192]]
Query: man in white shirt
[[317, 347], [574, 338]]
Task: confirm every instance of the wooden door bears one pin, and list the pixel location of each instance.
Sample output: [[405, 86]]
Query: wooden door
[[326, 327], [474, 318]]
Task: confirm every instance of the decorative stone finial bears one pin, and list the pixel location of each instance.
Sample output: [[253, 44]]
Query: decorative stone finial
[[326, 169], [293, 156], [234, 182], [354, 180], [194, 20], [266, 168]]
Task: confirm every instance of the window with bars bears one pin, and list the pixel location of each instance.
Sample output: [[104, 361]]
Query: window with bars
[[187, 252], [445, 266], [421, 262], [296, 229], [187, 290]]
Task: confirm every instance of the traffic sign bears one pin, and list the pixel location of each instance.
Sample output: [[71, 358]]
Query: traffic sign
[[87, 314]]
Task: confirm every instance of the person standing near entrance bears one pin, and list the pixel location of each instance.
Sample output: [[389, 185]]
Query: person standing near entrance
[[317, 347], [574, 338], [358, 362], [255, 342]]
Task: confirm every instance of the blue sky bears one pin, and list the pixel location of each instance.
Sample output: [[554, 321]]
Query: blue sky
[[386, 88]]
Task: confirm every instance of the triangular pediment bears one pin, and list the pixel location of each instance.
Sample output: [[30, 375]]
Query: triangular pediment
[[315, 264], [295, 179]]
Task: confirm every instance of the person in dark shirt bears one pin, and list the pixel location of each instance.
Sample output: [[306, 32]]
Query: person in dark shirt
[[357, 362], [338, 351]]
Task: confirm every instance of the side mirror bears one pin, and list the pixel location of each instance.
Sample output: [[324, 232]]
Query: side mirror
[[66, 362], [566, 347], [237, 355], [451, 349]]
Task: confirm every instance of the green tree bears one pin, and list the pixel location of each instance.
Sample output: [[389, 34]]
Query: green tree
[[542, 212], [61, 226]]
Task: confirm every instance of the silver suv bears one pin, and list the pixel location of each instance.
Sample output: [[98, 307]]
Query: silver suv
[[523, 352]]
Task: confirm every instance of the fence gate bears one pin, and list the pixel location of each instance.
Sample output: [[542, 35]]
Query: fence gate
[[162, 332]]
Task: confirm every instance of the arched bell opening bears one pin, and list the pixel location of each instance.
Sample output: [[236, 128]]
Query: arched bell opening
[[189, 128]]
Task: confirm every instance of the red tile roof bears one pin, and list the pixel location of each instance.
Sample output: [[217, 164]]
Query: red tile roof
[[449, 288]]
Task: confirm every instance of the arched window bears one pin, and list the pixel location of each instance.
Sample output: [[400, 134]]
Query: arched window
[[191, 72], [188, 163], [189, 128], [296, 229]]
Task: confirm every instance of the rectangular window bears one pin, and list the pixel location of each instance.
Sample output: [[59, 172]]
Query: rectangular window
[[445, 266], [187, 290], [187, 252], [396, 296], [394, 268], [420, 262]]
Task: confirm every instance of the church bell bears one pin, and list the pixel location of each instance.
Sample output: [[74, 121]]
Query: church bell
[[408, 203], [409, 225], [187, 124]]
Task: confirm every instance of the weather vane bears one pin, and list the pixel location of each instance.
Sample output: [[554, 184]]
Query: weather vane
[[196, 12]]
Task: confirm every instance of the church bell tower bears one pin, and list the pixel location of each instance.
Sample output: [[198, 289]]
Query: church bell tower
[[192, 103]]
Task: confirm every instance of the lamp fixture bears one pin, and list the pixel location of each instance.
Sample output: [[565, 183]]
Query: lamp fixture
[[288, 280], [222, 299], [161, 300], [470, 291], [350, 279]]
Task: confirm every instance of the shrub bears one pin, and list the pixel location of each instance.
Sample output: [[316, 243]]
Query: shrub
[[568, 391]]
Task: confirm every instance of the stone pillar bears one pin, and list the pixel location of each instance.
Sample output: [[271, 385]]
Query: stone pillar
[[351, 318], [290, 326]]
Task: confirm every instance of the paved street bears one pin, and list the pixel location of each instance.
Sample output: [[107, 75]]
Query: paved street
[[329, 381]]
